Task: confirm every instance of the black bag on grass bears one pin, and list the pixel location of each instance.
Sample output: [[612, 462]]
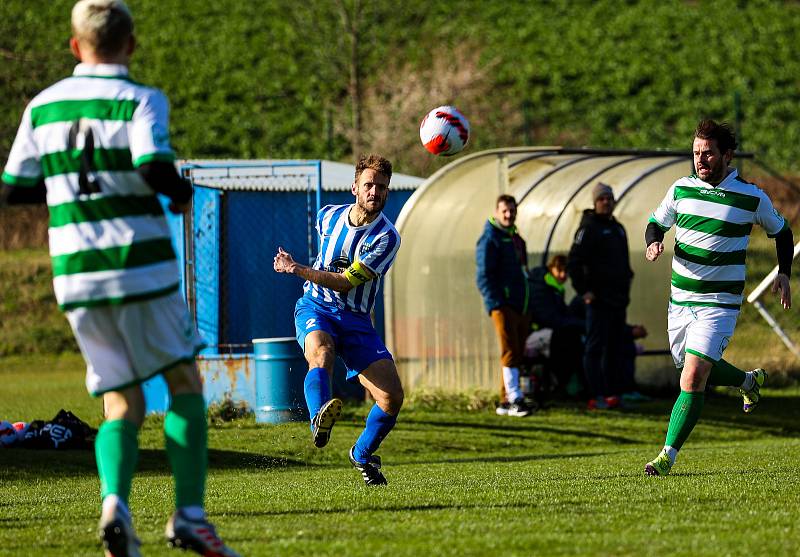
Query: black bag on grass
[[64, 431]]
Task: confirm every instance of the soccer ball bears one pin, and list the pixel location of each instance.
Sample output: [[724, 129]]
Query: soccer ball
[[444, 131], [21, 428]]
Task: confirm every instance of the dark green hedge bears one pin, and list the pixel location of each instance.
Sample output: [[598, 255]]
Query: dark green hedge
[[268, 78]]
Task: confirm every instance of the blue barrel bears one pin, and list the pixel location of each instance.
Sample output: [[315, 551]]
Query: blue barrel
[[156, 395], [280, 372]]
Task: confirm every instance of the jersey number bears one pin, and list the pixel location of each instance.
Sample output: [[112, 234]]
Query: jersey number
[[88, 183]]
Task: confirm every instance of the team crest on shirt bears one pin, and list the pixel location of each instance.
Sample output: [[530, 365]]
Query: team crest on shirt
[[365, 247], [338, 265]]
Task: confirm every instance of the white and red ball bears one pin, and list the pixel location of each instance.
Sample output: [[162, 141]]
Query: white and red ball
[[444, 131], [21, 429]]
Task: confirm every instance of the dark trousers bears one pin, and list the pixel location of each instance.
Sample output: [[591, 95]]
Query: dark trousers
[[566, 355], [606, 338], [628, 365]]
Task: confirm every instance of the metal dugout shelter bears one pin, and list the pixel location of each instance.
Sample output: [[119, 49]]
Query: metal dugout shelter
[[436, 325]]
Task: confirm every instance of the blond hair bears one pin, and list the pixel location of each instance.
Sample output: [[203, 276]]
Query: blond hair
[[102, 25], [376, 163]]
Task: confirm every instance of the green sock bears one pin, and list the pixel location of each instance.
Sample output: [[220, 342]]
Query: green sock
[[116, 450], [684, 416], [724, 374], [186, 433]]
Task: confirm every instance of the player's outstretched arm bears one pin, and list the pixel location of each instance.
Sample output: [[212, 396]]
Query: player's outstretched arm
[[654, 240], [784, 248], [284, 263]]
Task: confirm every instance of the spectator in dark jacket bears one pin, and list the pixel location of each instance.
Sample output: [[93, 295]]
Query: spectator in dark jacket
[[601, 274], [550, 311], [502, 276]]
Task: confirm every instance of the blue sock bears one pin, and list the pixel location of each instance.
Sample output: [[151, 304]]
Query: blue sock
[[379, 424], [317, 388]]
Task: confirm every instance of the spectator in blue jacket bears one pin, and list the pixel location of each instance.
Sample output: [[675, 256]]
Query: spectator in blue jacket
[[502, 274]]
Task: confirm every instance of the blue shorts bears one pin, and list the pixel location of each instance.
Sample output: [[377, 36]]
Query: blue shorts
[[355, 339]]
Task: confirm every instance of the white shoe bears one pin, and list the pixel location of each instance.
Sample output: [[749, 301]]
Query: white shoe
[[196, 535]]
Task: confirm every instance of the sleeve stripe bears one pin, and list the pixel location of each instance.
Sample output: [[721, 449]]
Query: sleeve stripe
[[162, 157], [658, 224], [784, 227], [382, 262], [23, 181]]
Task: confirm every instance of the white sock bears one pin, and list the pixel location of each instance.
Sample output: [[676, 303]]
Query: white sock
[[672, 453], [511, 382], [749, 381], [194, 512], [111, 502]]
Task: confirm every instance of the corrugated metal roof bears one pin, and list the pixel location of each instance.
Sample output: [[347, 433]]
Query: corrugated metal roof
[[279, 175]]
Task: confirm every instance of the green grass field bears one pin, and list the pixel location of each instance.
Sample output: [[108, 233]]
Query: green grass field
[[564, 482]]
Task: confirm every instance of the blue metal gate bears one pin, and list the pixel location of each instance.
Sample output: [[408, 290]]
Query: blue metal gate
[[241, 213]]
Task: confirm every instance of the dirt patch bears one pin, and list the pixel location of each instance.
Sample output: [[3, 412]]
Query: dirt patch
[[785, 197], [23, 226]]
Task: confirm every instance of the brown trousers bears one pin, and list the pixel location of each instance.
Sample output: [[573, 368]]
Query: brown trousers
[[512, 329]]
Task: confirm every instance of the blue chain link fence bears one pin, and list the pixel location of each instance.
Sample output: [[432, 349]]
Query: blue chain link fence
[[241, 213]]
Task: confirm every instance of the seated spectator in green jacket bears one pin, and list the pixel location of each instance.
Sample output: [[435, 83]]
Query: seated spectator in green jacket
[[565, 354], [549, 311]]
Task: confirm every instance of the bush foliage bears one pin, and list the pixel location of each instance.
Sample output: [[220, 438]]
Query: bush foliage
[[277, 78]]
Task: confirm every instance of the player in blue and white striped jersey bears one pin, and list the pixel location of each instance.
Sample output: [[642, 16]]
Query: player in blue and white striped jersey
[[373, 245], [713, 211], [357, 246]]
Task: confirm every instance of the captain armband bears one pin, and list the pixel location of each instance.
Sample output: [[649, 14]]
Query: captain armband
[[357, 274]]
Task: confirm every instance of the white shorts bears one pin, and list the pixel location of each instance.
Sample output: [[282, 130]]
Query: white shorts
[[126, 344], [699, 330]]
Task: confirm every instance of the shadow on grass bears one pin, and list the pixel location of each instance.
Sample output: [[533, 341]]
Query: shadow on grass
[[506, 458], [533, 427], [349, 509], [775, 415], [17, 462]]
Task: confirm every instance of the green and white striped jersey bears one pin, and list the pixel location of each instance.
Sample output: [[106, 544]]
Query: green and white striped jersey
[[712, 231], [86, 135]]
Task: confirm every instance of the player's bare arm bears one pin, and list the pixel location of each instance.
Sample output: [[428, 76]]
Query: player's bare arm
[[654, 250], [654, 240], [780, 285], [340, 282]]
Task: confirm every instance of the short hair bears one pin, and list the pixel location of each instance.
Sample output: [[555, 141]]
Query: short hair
[[376, 163], [507, 199], [722, 133], [103, 25], [557, 262]]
